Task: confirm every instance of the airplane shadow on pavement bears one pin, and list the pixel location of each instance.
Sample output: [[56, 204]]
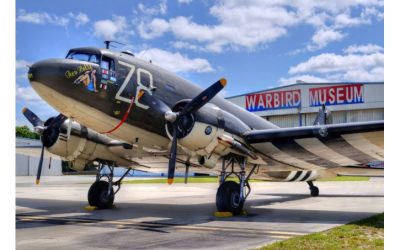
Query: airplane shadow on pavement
[[167, 215]]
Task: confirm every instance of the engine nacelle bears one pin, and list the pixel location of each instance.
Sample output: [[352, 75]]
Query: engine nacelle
[[82, 146], [201, 133]]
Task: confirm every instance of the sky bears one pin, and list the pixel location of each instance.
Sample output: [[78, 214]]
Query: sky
[[254, 44]]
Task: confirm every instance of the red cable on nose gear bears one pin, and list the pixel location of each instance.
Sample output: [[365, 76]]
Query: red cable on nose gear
[[125, 116]]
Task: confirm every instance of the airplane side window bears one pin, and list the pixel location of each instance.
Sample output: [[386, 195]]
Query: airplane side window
[[105, 64], [108, 69], [94, 59]]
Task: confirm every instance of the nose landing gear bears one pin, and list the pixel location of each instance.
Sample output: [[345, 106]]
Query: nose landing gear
[[101, 193]]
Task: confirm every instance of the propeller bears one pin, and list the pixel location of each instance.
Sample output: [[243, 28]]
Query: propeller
[[48, 130], [182, 119]]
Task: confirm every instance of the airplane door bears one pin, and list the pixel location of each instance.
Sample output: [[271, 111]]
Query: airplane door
[[108, 73]]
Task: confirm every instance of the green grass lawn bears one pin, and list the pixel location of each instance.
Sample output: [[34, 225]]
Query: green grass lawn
[[346, 178], [214, 179], [364, 234], [202, 179]]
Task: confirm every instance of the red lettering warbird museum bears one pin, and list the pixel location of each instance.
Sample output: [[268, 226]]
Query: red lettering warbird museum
[[298, 104]]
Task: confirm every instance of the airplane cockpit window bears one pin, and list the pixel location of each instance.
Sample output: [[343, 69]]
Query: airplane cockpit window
[[84, 57]]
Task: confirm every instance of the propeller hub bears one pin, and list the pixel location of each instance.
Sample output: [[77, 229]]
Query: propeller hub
[[170, 116]]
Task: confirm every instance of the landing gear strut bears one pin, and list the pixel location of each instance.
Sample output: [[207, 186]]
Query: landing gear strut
[[101, 194], [231, 195], [314, 191]]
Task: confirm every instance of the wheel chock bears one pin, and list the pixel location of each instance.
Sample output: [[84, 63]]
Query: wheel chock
[[90, 208], [228, 214], [223, 214]]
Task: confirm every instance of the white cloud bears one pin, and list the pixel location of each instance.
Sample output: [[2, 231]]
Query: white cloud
[[161, 8], [186, 45], [254, 23], [334, 67], [156, 28], [329, 62], [27, 94], [323, 37], [22, 64], [304, 78], [345, 20], [80, 18], [363, 49], [184, 1], [175, 62], [111, 29], [46, 18], [41, 18]]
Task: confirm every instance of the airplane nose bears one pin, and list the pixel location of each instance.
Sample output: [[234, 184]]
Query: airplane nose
[[57, 74]]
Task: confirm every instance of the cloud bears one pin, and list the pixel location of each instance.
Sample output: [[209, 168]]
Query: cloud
[[254, 23], [41, 18], [156, 28], [323, 37], [304, 78], [347, 67], [22, 64], [363, 49], [112, 29], [175, 62], [161, 8], [27, 94], [330, 62], [80, 18], [46, 18], [184, 1]]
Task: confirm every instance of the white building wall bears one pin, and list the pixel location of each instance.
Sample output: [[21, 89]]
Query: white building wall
[[27, 166]]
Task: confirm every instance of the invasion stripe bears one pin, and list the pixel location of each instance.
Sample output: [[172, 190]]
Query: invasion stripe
[[276, 154], [306, 176], [296, 176], [316, 147], [341, 146], [295, 150], [361, 143]]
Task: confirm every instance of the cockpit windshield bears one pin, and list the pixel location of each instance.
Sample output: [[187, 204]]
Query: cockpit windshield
[[84, 57]]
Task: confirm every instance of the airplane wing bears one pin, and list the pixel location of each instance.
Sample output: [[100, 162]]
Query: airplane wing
[[299, 154]]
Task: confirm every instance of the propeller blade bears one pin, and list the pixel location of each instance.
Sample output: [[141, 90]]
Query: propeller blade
[[172, 156], [155, 104], [32, 117], [204, 97], [56, 122], [39, 171]]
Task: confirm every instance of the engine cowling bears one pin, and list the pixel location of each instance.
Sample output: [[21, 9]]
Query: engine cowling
[[200, 132], [81, 145]]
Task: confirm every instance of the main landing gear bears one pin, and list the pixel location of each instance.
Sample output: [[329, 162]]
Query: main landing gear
[[232, 195], [314, 191], [101, 194]]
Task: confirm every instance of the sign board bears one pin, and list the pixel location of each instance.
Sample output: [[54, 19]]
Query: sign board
[[273, 100], [336, 95]]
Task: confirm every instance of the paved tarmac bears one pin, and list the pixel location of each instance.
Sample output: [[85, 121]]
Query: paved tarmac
[[158, 216]]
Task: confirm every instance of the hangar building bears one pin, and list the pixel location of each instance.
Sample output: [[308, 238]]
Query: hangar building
[[298, 104]]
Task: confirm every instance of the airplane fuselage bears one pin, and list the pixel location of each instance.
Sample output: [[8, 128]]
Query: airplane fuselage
[[99, 96]]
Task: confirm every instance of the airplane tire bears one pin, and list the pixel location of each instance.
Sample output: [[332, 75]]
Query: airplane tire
[[97, 195], [228, 198], [314, 191]]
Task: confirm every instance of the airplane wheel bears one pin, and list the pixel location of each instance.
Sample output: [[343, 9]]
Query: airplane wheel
[[228, 198], [314, 191], [98, 195]]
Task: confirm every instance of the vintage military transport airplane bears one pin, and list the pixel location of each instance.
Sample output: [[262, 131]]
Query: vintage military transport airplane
[[118, 110]]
